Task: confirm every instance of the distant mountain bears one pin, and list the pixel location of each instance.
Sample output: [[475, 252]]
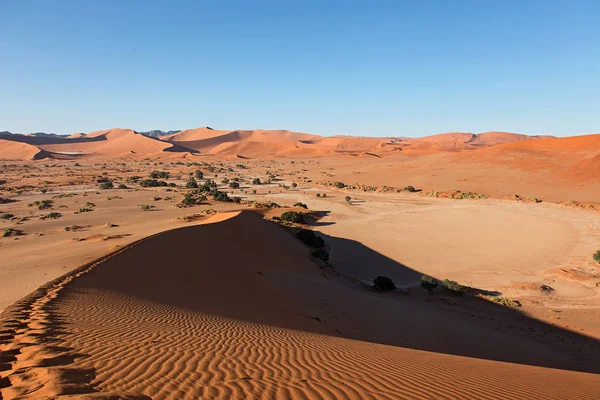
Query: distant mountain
[[36, 134], [158, 133]]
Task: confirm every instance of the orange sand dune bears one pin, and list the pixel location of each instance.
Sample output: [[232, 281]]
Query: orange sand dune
[[469, 141], [20, 151], [114, 143], [230, 309]]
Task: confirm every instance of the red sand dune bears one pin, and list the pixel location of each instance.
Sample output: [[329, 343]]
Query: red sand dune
[[20, 151]]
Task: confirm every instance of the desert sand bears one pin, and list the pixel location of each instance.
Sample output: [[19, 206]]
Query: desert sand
[[124, 292]]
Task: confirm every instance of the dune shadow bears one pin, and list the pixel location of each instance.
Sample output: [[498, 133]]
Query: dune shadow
[[263, 275]]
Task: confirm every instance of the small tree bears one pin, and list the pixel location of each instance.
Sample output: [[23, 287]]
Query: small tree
[[383, 283], [256, 181], [347, 198], [199, 174], [191, 183], [234, 185]]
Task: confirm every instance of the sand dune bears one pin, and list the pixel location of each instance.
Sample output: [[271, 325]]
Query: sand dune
[[223, 310], [10, 150]]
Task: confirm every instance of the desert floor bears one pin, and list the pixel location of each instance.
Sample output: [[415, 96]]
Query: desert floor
[[218, 300]]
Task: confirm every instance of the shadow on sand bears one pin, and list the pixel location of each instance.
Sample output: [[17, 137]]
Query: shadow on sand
[[226, 268]]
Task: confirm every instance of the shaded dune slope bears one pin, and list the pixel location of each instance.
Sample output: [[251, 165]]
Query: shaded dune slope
[[221, 311], [10, 150]]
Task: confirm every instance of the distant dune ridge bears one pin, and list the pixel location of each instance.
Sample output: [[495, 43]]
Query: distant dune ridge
[[248, 143]]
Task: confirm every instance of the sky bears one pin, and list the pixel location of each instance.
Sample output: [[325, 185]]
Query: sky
[[372, 68]]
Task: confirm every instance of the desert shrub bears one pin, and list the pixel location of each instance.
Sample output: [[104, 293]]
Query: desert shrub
[[52, 215], [256, 181], [220, 196], [410, 189], [236, 199], [190, 199], [234, 185], [596, 256], [159, 175], [107, 185], [347, 198], [383, 283], [429, 283], [41, 205], [321, 254], [254, 191], [199, 174], [146, 207], [122, 186], [294, 185], [506, 302], [309, 238], [300, 205], [339, 185], [85, 209], [324, 195], [7, 216], [44, 190], [293, 216], [12, 232], [152, 183], [454, 286], [225, 180], [73, 228], [318, 194], [191, 183]]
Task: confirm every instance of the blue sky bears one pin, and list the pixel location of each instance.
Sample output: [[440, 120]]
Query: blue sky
[[397, 68]]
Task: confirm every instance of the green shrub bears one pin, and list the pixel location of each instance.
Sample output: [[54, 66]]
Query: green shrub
[[122, 186], [52, 215], [309, 238], [159, 174], [199, 174], [234, 185], [347, 198], [85, 209], [107, 185], [220, 196], [429, 283], [339, 185], [146, 207], [152, 183], [300, 205], [7, 216], [454, 286], [191, 183], [318, 194], [12, 232], [293, 216], [383, 283], [596, 256], [294, 185], [410, 189], [256, 181]]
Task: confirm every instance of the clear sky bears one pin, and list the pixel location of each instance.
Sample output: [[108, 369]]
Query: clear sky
[[396, 68]]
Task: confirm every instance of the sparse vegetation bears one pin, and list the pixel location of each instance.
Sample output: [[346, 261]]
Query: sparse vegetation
[[256, 181], [234, 185], [85, 209], [220, 196], [596, 256], [7, 216], [506, 302], [41, 205], [309, 238], [12, 232], [339, 185], [152, 183], [199, 174], [410, 189], [347, 198], [146, 207], [159, 175], [191, 183], [107, 185], [293, 216], [52, 215], [454, 286], [300, 205], [429, 283], [384, 283]]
